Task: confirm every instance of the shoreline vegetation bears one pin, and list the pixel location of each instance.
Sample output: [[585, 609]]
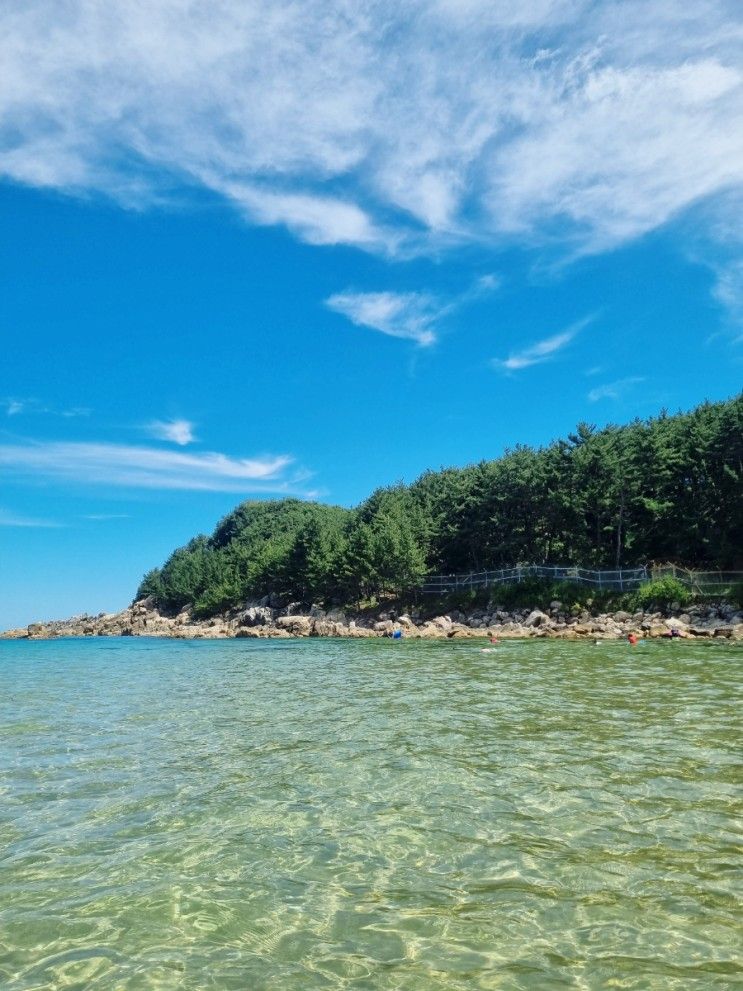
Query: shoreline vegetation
[[669, 488]]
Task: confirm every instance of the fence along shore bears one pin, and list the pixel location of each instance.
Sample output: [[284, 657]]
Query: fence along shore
[[615, 580]]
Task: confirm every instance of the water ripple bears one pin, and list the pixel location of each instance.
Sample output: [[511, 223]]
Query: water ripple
[[365, 815]]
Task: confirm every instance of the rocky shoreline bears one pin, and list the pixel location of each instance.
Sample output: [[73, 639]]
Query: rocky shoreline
[[720, 621]]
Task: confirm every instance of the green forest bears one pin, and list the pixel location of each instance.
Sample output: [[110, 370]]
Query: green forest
[[666, 489]]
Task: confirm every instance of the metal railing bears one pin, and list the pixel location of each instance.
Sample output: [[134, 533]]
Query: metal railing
[[616, 580], [700, 582]]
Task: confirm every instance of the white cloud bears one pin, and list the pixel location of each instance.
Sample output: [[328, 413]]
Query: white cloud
[[388, 126], [178, 431], [728, 288], [408, 315], [14, 407], [542, 350], [613, 390], [8, 518], [147, 467], [315, 219]]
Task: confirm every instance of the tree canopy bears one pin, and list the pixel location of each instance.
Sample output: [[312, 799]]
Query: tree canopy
[[670, 488]]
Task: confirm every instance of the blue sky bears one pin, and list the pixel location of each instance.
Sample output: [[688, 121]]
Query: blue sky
[[259, 249]]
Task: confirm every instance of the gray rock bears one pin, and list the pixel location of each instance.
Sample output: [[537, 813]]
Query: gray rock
[[298, 626], [536, 618], [441, 623], [725, 631]]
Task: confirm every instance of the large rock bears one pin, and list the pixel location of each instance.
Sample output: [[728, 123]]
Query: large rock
[[459, 632], [298, 626], [700, 631], [725, 631], [39, 631], [657, 630], [441, 623], [433, 630], [536, 618], [255, 616]]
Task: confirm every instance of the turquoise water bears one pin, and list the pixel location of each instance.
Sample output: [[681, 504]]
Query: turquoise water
[[368, 815]]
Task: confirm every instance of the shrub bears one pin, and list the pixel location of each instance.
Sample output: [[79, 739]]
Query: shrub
[[661, 593], [539, 592]]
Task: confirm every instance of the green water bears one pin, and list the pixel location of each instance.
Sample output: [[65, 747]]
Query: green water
[[368, 815]]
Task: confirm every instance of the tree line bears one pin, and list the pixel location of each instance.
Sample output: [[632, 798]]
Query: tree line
[[670, 489]]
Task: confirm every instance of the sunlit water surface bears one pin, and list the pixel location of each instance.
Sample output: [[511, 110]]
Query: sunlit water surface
[[416, 816]]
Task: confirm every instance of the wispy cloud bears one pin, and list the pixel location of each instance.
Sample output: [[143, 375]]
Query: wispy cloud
[[8, 518], [105, 517], [314, 218], [16, 407], [409, 315], [178, 431], [728, 291], [540, 351], [388, 124], [614, 390], [147, 467]]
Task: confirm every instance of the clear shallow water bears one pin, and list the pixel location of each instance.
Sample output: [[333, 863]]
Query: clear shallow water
[[368, 815]]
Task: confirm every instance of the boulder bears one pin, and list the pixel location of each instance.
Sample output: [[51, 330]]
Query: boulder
[[255, 616], [298, 626], [536, 618], [700, 631], [432, 630], [441, 623], [725, 631], [39, 631], [324, 628]]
